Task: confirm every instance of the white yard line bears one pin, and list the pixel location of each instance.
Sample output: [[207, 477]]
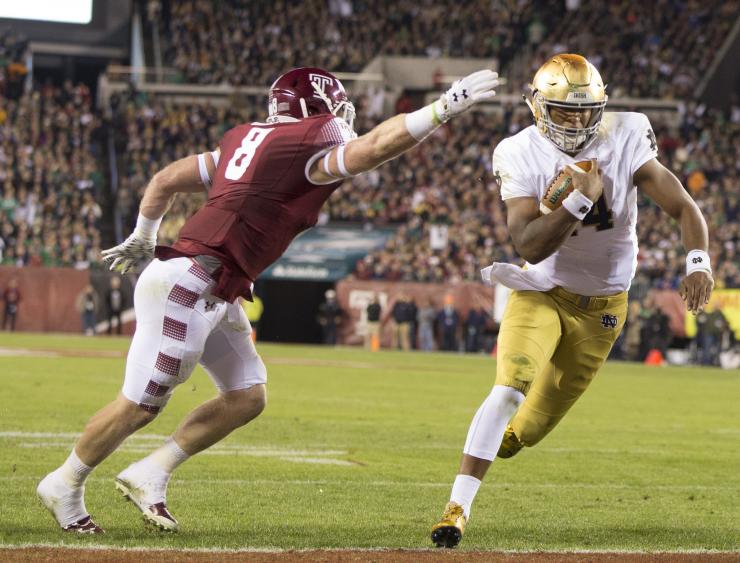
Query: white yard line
[[412, 484], [148, 548]]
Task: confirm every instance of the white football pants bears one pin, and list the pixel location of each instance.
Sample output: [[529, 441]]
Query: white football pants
[[179, 323]]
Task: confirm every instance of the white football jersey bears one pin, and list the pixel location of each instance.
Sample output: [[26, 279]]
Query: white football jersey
[[600, 258]]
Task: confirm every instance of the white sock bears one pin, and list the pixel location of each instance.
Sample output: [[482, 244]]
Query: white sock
[[464, 490], [487, 429], [74, 472], [167, 457]]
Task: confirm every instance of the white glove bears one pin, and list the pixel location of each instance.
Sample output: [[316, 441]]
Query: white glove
[[140, 244], [467, 91], [134, 248]]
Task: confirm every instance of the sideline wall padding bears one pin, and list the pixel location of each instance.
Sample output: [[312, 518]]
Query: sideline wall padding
[[48, 297]]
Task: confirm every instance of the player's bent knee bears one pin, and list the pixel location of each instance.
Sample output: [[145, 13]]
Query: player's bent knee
[[246, 404]]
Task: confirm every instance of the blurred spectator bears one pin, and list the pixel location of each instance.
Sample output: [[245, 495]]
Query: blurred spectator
[[11, 299], [330, 315], [655, 333], [475, 325], [425, 318], [87, 305], [448, 321], [632, 333], [115, 305], [402, 316], [711, 327], [373, 313], [413, 324]]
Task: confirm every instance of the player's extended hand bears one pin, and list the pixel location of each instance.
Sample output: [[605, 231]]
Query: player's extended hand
[[123, 256], [696, 289], [467, 91], [589, 184]]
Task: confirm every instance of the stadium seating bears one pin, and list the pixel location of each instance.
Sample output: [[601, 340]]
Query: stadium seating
[[654, 49], [50, 178]]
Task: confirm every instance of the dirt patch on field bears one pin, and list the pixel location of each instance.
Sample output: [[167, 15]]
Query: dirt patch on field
[[342, 556]]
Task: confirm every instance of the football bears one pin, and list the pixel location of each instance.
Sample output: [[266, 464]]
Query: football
[[561, 186]]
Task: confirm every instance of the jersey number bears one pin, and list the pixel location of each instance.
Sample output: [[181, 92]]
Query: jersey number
[[600, 215], [244, 154]]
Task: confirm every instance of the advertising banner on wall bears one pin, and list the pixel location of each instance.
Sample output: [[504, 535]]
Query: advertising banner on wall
[[326, 253]]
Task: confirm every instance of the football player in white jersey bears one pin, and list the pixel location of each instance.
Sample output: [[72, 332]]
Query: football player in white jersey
[[576, 230]]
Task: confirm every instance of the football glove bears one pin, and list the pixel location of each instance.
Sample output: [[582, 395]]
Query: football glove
[[466, 92], [122, 257]]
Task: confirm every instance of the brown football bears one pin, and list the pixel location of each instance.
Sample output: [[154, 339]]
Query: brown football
[[560, 187]]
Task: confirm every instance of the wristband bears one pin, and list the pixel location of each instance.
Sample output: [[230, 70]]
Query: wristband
[[698, 261], [578, 205], [147, 228], [424, 121]]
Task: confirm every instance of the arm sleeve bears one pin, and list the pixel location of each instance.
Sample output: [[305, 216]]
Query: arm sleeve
[[512, 182], [641, 142], [334, 132]]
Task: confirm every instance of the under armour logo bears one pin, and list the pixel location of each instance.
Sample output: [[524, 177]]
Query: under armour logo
[[651, 138], [465, 93], [210, 305], [697, 260], [583, 209], [609, 321], [320, 80], [454, 96]]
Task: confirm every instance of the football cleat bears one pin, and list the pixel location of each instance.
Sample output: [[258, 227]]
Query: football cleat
[[449, 530], [510, 445], [84, 526], [147, 492], [66, 504]]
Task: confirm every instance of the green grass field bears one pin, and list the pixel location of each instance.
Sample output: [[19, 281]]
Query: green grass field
[[359, 450]]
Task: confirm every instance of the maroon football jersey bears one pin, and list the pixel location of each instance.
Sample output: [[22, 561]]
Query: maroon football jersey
[[260, 199]]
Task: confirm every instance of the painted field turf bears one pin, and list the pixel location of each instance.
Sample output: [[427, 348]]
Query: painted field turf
[[359, 450]]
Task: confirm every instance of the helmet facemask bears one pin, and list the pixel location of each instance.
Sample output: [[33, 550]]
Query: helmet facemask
[[570, 140], [343, 109]]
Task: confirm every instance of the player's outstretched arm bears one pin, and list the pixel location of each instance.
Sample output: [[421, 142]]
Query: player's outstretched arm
[[662, 186], [402, 132], [189, 174], [537, 236]]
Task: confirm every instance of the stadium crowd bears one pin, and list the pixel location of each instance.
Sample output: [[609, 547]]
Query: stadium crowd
[[50, 178], [655, 49], [157, 133]]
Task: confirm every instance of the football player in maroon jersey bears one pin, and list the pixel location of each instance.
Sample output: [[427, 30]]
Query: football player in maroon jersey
[[266, 183]]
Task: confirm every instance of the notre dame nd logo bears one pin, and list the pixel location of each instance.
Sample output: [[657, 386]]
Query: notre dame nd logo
[[609, 321]]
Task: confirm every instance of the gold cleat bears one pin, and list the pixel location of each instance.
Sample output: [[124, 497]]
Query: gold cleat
[[510, 445], [449, 530]]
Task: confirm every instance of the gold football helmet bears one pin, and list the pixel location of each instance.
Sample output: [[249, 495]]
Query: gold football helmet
[[572, 83]]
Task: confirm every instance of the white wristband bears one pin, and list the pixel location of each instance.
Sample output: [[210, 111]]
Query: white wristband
[[422, 122], [578, 204], [147, 228], [698, 261]]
